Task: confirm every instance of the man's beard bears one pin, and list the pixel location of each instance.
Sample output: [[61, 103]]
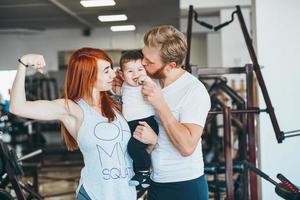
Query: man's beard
[[159, 74]]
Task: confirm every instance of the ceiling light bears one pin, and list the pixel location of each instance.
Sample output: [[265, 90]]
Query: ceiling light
[[111, 18], [123, 28], [97, 3]]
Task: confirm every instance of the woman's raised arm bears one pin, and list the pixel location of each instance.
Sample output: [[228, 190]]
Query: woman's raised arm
[[41, 109]]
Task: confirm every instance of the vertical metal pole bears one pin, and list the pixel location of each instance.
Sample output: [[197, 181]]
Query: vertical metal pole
[[228, 153], [251, 130], [36, 179], [278, 133], [243, 147], [188, 39], [14, 181]]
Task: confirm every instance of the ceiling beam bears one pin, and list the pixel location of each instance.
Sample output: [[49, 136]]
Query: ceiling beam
[[29, 5], [71, 13]]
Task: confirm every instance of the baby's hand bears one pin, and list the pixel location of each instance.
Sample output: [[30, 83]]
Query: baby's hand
[[143, 78]]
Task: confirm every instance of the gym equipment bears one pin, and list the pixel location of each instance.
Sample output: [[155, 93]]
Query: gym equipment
[[11, 173], [41, 87], [5, 195], [280, 135], [237, 118], [285, 189], [249, 111]]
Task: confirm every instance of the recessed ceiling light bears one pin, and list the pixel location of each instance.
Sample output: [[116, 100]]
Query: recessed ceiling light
[[96, 3], [111, 18], [123, 28]]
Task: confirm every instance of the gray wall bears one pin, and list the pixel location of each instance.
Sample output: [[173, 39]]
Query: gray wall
[[50, 42]]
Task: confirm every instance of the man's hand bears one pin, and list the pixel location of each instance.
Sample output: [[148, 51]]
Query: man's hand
[[152, 94], [145, 134]]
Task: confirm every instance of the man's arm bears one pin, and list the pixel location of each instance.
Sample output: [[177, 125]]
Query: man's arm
[[184, 136]]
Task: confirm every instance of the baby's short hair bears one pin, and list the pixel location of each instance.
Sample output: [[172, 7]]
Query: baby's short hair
[[131, 55]]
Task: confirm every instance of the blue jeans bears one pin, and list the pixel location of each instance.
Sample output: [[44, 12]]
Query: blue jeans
[[82, 195], [195, 189]]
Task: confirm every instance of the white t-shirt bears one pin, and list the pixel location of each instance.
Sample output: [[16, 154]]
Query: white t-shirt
[[189, 102], [133, 105]]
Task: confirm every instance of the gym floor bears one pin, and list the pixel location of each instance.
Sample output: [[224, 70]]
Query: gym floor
[[58, 183], [61, 183]]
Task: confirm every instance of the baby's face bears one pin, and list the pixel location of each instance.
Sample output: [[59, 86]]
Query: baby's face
[[132, 71]]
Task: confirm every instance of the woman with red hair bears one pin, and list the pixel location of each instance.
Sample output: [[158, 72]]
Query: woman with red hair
[[90, 119]]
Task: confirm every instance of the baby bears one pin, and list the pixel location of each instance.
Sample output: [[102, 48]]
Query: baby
[[135, 109]]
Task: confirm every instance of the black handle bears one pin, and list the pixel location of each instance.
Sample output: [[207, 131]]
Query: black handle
[[288, 183]]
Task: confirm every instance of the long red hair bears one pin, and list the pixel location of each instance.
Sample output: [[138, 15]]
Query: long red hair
[[80, 79]]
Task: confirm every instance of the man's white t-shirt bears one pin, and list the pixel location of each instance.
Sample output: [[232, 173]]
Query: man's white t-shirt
[[189, 102]]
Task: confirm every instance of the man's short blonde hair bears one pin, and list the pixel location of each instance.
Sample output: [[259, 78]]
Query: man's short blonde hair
[[170, 41]]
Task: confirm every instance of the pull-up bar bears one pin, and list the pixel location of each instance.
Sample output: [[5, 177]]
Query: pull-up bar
[[280, 135]]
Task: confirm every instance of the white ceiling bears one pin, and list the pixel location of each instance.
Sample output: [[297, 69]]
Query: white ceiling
[[50, 14]]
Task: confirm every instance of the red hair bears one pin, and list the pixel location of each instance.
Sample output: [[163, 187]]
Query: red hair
[[80, 79]]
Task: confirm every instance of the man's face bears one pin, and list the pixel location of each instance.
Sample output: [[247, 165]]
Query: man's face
[[152, 62]]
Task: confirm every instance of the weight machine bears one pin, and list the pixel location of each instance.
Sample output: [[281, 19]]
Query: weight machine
[[248, 111]]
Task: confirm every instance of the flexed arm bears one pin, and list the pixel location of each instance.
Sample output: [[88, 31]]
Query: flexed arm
[[41, 109]]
